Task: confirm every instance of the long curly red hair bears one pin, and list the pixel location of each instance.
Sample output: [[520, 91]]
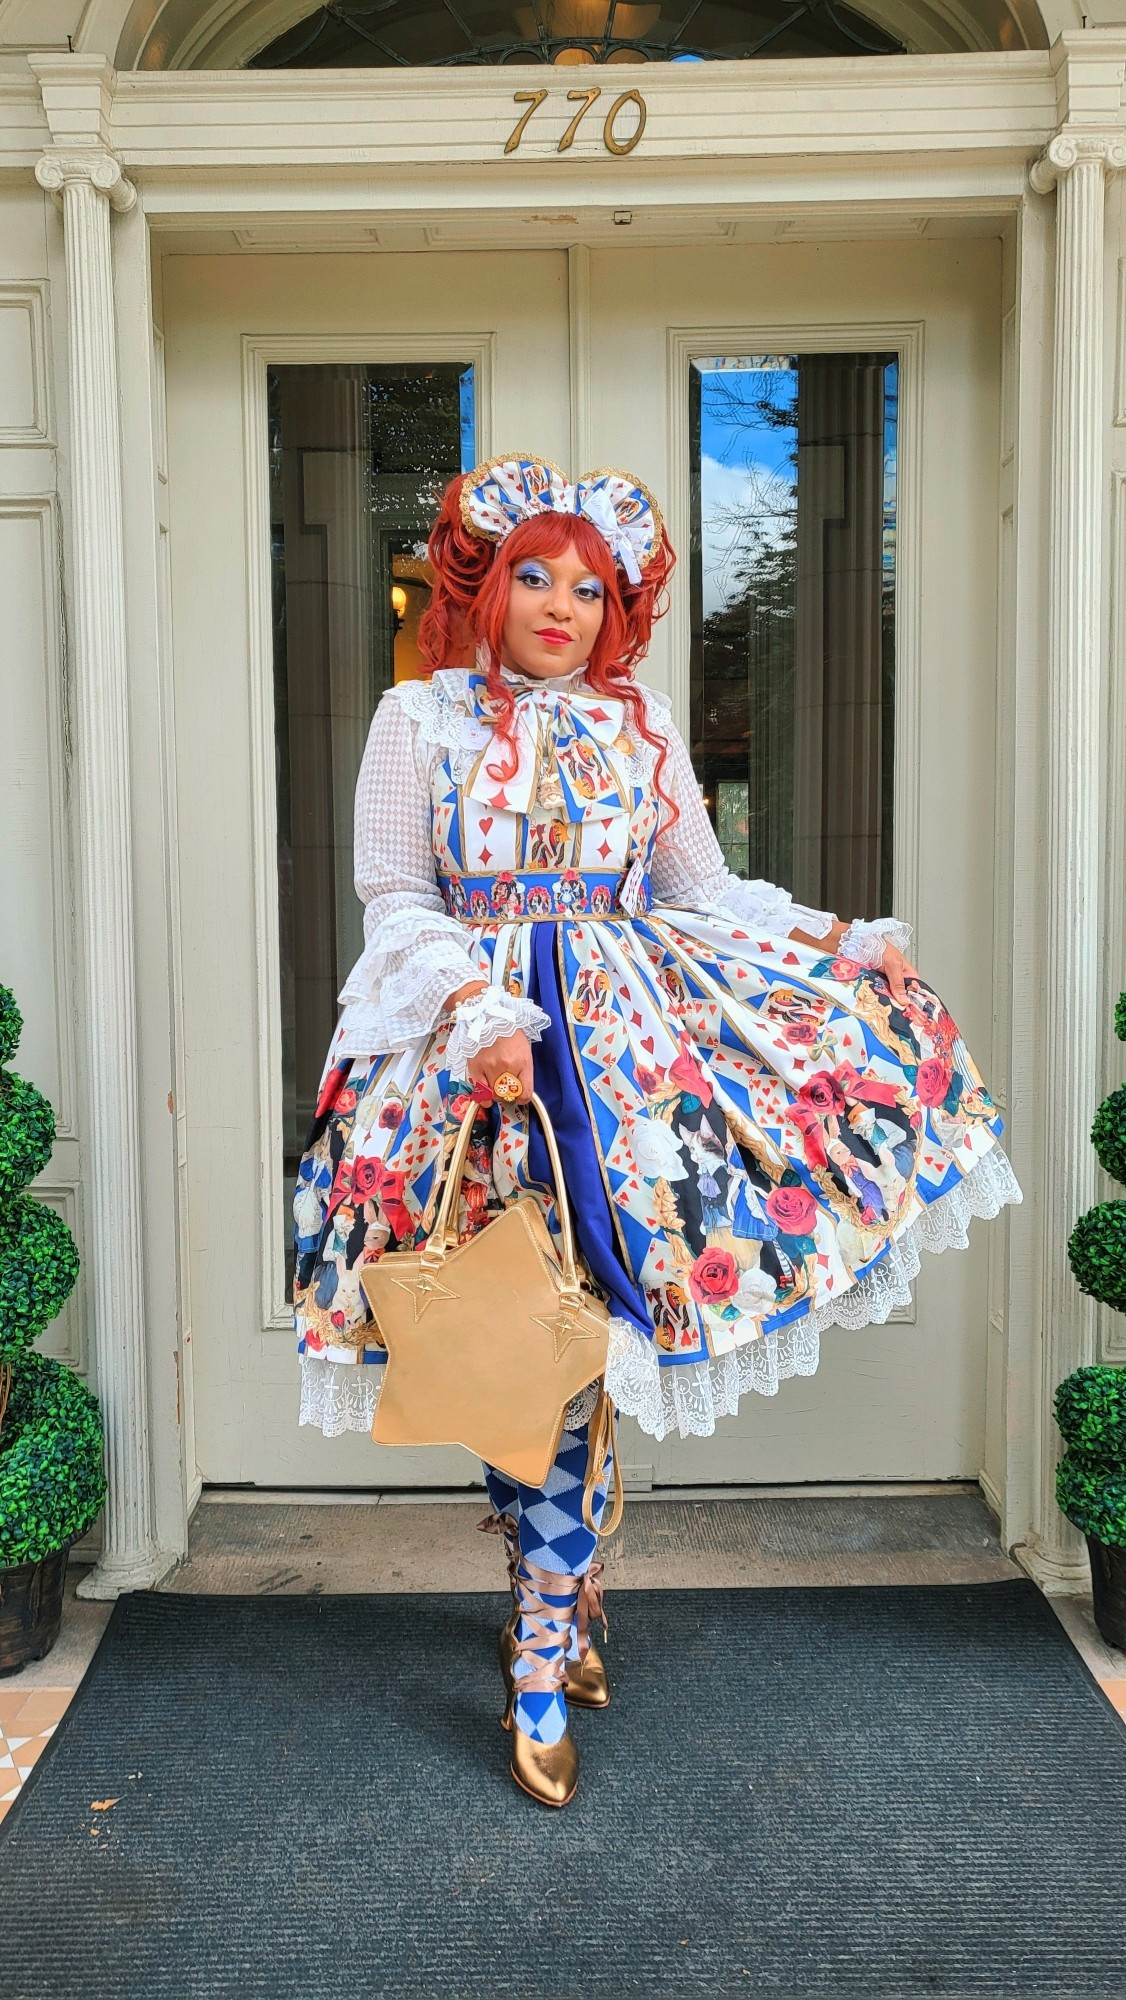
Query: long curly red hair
[[472, 579]]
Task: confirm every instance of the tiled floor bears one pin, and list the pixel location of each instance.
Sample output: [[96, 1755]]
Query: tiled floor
[[288, 1546]]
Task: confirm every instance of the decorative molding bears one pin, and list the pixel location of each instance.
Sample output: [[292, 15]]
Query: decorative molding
[[99, 170], [159, 406], [258, 352], [31, 300], [65, 1339], [1072, 853], [114, 1267], [41, 508], [1120, 347], [1077, 146], [905, 338], [1008, 386], [967, 114], [578, 353]]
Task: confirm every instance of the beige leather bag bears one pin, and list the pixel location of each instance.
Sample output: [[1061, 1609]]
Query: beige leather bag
[[488, 1341]]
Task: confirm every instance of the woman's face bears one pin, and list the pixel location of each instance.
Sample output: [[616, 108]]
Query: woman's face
[[555, 608]]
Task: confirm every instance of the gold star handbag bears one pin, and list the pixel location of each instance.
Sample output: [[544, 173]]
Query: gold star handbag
[[488, 1341]]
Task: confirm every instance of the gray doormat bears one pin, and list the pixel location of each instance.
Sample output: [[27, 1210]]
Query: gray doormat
[[873, 1794]]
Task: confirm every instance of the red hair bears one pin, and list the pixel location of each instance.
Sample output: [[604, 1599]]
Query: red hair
[[472, 580]]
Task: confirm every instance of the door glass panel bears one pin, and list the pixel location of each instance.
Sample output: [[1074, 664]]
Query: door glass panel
[[359, 455], [793, 618]]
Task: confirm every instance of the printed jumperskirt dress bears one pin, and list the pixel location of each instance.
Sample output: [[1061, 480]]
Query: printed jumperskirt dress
[[757, 1140]]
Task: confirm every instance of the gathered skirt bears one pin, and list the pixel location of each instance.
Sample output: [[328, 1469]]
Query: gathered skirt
[[757, 1141]]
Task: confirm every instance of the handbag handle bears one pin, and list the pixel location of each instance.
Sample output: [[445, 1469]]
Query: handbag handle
[[443, 1236]]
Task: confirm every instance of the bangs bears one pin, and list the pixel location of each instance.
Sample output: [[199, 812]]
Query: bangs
[[549, 534]]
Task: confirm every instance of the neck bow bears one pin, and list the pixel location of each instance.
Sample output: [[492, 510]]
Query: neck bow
[[570, 762]]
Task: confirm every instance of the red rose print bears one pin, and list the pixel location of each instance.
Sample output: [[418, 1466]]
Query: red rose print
[[346, 1100], [331, 1088], [845, 969], [646, 1080], [804, 1032], [459, 1105], [365, 1178], [313, 1341], [793, 1209], [687, 1073], [713, 1277], [823, 1092], [391, 1116], [932, 1081]]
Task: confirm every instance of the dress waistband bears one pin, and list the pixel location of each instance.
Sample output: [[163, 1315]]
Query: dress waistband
[[538, 895]]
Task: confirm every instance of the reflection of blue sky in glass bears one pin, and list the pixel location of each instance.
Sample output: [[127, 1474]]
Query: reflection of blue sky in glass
[[468, 421], [748, 472]]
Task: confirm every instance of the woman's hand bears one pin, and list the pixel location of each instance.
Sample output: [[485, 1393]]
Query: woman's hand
[[513, 1054], [897, 970]]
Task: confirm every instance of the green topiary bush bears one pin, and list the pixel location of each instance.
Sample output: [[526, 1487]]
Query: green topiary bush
[[52, 1481], [1091, 1404]]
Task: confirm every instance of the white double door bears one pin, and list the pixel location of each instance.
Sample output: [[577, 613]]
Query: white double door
[[591, 350]]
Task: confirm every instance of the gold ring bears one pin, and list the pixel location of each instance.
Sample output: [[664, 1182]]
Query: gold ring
[[507, 1086]]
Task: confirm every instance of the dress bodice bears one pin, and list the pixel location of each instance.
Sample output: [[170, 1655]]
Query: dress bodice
[[570, 832]]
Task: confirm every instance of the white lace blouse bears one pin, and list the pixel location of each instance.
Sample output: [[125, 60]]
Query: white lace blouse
[[415, 954]]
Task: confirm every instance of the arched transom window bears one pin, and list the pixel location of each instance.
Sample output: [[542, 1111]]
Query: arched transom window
[[385, 33]]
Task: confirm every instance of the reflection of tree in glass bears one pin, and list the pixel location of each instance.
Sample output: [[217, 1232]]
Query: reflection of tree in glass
[[752, 540]]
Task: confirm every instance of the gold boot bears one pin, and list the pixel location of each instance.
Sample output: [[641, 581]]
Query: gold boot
[[587, 1682], [548, 1772]]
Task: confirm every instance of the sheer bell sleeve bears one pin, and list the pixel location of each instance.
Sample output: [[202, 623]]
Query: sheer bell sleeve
[[689, 871], [415, 955]]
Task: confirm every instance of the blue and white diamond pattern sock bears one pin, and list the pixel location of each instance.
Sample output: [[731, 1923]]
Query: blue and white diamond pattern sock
[[554, 1536]]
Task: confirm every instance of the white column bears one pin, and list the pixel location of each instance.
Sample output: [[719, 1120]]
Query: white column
[[89, 182], [1076, 164]]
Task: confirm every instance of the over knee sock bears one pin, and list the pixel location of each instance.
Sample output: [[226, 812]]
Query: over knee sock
[[554, 1536]]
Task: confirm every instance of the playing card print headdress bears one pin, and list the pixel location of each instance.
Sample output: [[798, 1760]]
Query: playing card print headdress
[[504, 492]]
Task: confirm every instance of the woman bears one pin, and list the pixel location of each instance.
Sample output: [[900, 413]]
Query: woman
[[762, 1111]]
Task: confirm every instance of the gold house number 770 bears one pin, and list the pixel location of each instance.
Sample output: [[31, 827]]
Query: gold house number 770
[[584, 99]]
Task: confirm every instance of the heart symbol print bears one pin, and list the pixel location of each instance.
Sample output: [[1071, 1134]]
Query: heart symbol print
[[791, 958], [485, 824], [647, 1045]]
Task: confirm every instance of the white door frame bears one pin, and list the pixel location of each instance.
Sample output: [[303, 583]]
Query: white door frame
[[728, 148]]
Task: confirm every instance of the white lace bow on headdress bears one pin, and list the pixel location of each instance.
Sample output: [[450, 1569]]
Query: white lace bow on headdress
[[507, 490]]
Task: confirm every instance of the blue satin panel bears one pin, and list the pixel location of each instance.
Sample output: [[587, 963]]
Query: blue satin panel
[[557, 1082]]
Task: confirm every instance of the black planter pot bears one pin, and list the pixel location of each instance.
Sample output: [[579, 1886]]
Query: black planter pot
[[31, 1609], [1108, 1587]]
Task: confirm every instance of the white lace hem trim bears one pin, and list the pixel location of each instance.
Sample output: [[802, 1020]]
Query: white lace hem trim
[[338, 1396], [691, 1399]]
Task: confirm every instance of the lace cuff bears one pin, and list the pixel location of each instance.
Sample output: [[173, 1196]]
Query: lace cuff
[[865, 943], [416, 957], [487, 1017]]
